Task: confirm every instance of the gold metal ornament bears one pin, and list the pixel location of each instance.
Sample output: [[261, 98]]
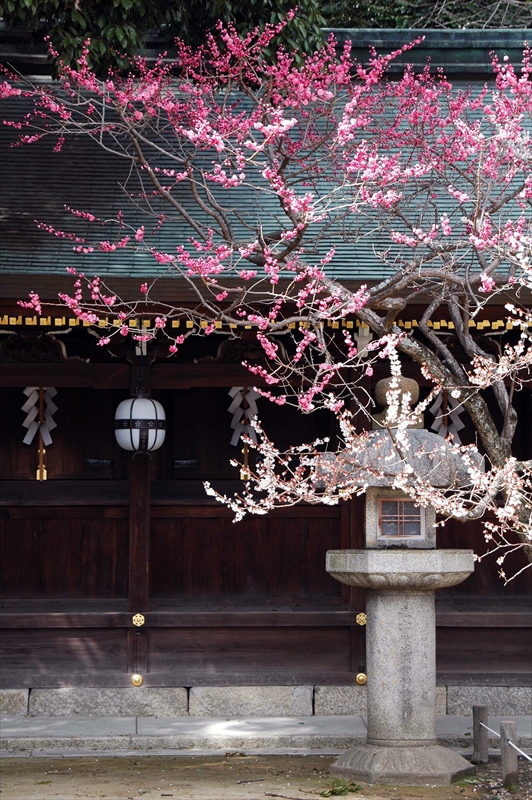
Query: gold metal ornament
[[138, 620], [361, 679], [361, 619], [42, 473], [245, 472], [137, 680]]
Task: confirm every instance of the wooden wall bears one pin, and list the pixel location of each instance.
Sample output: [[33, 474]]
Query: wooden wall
[[226, 603]]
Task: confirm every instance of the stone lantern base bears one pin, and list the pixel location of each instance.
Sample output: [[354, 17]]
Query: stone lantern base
[[403, 766], [401, 744]]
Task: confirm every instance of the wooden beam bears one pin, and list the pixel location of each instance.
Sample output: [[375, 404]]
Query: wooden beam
[[36, 678], [178, 498], [495, 677], [179, 619], [187, 376], [18, 494], [139, 531], [72, 373], [183, 618], [480, 619]]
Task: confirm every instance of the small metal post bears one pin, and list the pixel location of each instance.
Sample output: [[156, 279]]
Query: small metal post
[[480, 735], [509, 755]]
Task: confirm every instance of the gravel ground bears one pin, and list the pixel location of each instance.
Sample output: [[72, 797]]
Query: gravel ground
[[235, 777]]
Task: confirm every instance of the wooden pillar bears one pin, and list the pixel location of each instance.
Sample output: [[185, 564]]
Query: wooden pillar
[[480, 735], [357, 539], [139, 557], [510, 779], [139, 531]]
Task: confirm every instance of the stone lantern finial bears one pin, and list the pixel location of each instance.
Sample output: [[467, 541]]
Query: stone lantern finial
[[406, 386]]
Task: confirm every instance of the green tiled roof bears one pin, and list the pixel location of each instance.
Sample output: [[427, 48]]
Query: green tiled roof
[[457, 52], [37, 184]]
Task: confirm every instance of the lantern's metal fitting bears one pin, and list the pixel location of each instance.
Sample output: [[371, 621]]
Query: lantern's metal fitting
[[140, 389], [137, 680], [138, 620], [361, 619], [361, 679]]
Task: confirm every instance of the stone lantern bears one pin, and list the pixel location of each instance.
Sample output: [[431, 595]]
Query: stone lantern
[[401, 570]]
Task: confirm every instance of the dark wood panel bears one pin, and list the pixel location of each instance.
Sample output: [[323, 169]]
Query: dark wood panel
[[249, 649], [21, 558], [105, 558], [84, 420], [62, 558], [202, 434], [484, 612], [69, 558], [45, 651], [64, 512], [106, 619], [485, 580], [264, 560], [499, 650], [79, 605], [137, 651], [289, 560]]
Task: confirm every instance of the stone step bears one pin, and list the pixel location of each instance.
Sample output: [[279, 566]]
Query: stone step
[[59, 735]]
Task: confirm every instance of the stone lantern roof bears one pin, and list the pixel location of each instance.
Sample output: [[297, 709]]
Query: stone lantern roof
[[384, 455]]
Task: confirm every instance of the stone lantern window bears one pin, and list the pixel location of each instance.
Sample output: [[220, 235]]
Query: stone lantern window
[[394, 520], [400, 519]]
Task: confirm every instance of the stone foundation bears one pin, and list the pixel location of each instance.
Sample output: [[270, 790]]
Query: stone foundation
[[340, 701], [500, 700], [80, 702], [246, 701], [14, 702], [351, 700], [250, 701]]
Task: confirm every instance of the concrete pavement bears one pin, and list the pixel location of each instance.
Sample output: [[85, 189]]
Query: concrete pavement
[[204, 735]]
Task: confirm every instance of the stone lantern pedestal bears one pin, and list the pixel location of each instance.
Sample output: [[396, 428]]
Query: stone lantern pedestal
[[401, 746]]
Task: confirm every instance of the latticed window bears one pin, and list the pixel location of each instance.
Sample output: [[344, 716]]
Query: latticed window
[[400, 518]]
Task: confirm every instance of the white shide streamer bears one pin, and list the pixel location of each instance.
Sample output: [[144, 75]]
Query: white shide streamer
[[31, 409], [241, 422], [454, 423]]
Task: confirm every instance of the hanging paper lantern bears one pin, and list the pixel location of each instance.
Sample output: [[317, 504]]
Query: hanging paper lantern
[[140, 424]]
